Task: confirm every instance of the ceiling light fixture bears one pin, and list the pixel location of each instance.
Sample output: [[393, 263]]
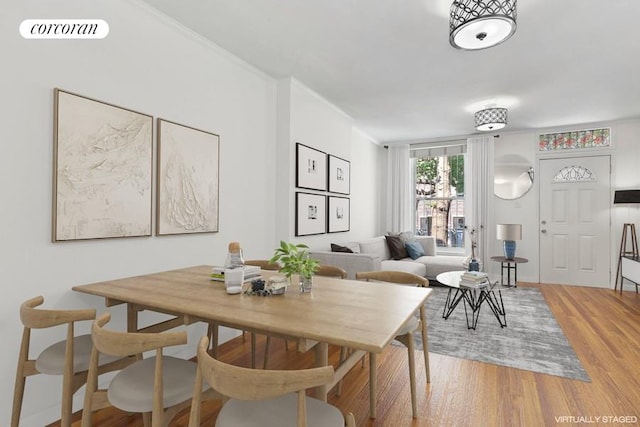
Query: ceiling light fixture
[[491, 119], [479, 24]]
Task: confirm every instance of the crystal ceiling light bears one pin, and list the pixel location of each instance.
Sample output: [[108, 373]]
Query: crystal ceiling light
[[491, 119], [479, 24]]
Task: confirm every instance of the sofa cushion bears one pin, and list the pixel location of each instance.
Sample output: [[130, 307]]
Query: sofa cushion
[[396, 247], [428, 244], [376, 246], [435, 265], [407, 265], [338, 248], [415, 249]]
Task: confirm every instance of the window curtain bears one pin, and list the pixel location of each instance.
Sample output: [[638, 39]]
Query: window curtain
[[479, 195], [400, 189]]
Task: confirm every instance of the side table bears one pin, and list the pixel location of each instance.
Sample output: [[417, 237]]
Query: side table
[[509, 264]]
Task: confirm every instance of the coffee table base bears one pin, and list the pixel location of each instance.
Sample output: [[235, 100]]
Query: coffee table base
[[474, 299]]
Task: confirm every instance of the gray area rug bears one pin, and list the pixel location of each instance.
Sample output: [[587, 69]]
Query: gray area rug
[[532, 339]]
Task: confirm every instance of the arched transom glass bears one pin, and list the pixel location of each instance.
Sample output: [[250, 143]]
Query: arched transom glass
[[574, 174]]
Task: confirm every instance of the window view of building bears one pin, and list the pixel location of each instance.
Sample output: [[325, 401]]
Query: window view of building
[[440, 199]]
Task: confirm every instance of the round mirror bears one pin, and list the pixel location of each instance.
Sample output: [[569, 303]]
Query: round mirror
[[513, 177]]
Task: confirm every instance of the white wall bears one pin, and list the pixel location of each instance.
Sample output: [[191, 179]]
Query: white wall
[[625, 154], [307, 118], [148, 64]]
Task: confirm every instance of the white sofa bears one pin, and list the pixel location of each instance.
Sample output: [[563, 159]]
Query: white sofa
[[373, 254]]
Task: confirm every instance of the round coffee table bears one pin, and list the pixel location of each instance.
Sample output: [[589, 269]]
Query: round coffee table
[[472, 297]]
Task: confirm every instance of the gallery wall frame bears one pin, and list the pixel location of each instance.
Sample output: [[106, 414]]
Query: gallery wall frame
[[338, 214], [311, 214], [339, 175], [102, 169], [311, 168], [187, 199]]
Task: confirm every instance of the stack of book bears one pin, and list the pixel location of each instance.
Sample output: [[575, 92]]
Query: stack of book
[[474, 280], [251, 272]]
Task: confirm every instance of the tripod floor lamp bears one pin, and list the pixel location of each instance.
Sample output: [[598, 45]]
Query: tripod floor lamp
[[629, 241]]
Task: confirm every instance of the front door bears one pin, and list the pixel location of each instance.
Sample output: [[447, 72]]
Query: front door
[[574, 221]]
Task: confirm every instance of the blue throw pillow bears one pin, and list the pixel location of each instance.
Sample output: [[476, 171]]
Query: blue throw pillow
[[414, 249]]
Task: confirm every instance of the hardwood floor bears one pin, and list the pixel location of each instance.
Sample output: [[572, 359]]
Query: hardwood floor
[[602, 326]]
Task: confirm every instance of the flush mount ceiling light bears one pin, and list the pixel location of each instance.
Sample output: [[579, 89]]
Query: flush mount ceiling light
[[491, 119], [479, 24]]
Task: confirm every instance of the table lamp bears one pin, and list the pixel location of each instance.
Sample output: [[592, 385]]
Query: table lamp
[[509, 233]]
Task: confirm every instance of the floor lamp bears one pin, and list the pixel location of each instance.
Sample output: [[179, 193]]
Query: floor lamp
[[628, 231]]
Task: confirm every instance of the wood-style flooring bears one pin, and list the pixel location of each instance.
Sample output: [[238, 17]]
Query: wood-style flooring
[[602, 326]]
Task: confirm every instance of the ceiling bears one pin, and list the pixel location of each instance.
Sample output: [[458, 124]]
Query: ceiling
[[389, 65]]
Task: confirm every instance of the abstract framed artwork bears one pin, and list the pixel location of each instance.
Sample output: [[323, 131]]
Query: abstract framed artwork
[[339, 214], [311, 214], [339, 175], [311, 168], [188, 191], [102, 172]]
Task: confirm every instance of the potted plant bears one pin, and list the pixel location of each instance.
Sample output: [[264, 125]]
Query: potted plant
[[294, 259]]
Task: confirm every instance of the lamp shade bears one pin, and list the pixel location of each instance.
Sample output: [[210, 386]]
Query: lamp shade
[[626, 196], [490, 119], [479, 24], [509, 231]]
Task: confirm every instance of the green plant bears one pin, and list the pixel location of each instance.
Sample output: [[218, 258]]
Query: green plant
[[294, 259]]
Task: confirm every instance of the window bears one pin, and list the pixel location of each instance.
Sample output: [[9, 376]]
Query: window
[[440, 199]]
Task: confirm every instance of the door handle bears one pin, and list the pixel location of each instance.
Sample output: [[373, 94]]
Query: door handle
[[543, 231]]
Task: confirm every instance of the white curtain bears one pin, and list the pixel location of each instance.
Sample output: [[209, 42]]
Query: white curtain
[[400, 189], [478, 186]]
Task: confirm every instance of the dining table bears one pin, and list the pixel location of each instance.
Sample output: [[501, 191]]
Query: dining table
[[361, 316]]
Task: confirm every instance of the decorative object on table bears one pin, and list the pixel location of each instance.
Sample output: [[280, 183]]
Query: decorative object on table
[[188, 165], [311, 214], [233, 280], [509, 233], [628, 232], [311, 168], [480, 24], [339, 175], [102, 169], [273, 286], [471, 263], [474, 279], [234, 256], [590, 138], [250, 272], [295, 259], [339, 214]]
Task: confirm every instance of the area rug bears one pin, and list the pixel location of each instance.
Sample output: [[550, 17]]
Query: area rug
[[532, 340]]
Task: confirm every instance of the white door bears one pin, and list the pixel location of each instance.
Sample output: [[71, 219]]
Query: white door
[[574, 221]]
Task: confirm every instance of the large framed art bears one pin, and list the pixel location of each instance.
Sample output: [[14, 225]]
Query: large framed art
[[102, 169], [311, 214], [311, 168], [339, 175], [339, 214], [188, 167]]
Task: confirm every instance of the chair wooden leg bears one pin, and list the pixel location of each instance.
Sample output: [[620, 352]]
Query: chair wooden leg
[[425, 343], [343, 356], [253, 350], [267, 346], [412, 374], [21, 377], [212, 333]]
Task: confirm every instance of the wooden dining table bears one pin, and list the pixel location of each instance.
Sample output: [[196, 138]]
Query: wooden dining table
[[362, 316]]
